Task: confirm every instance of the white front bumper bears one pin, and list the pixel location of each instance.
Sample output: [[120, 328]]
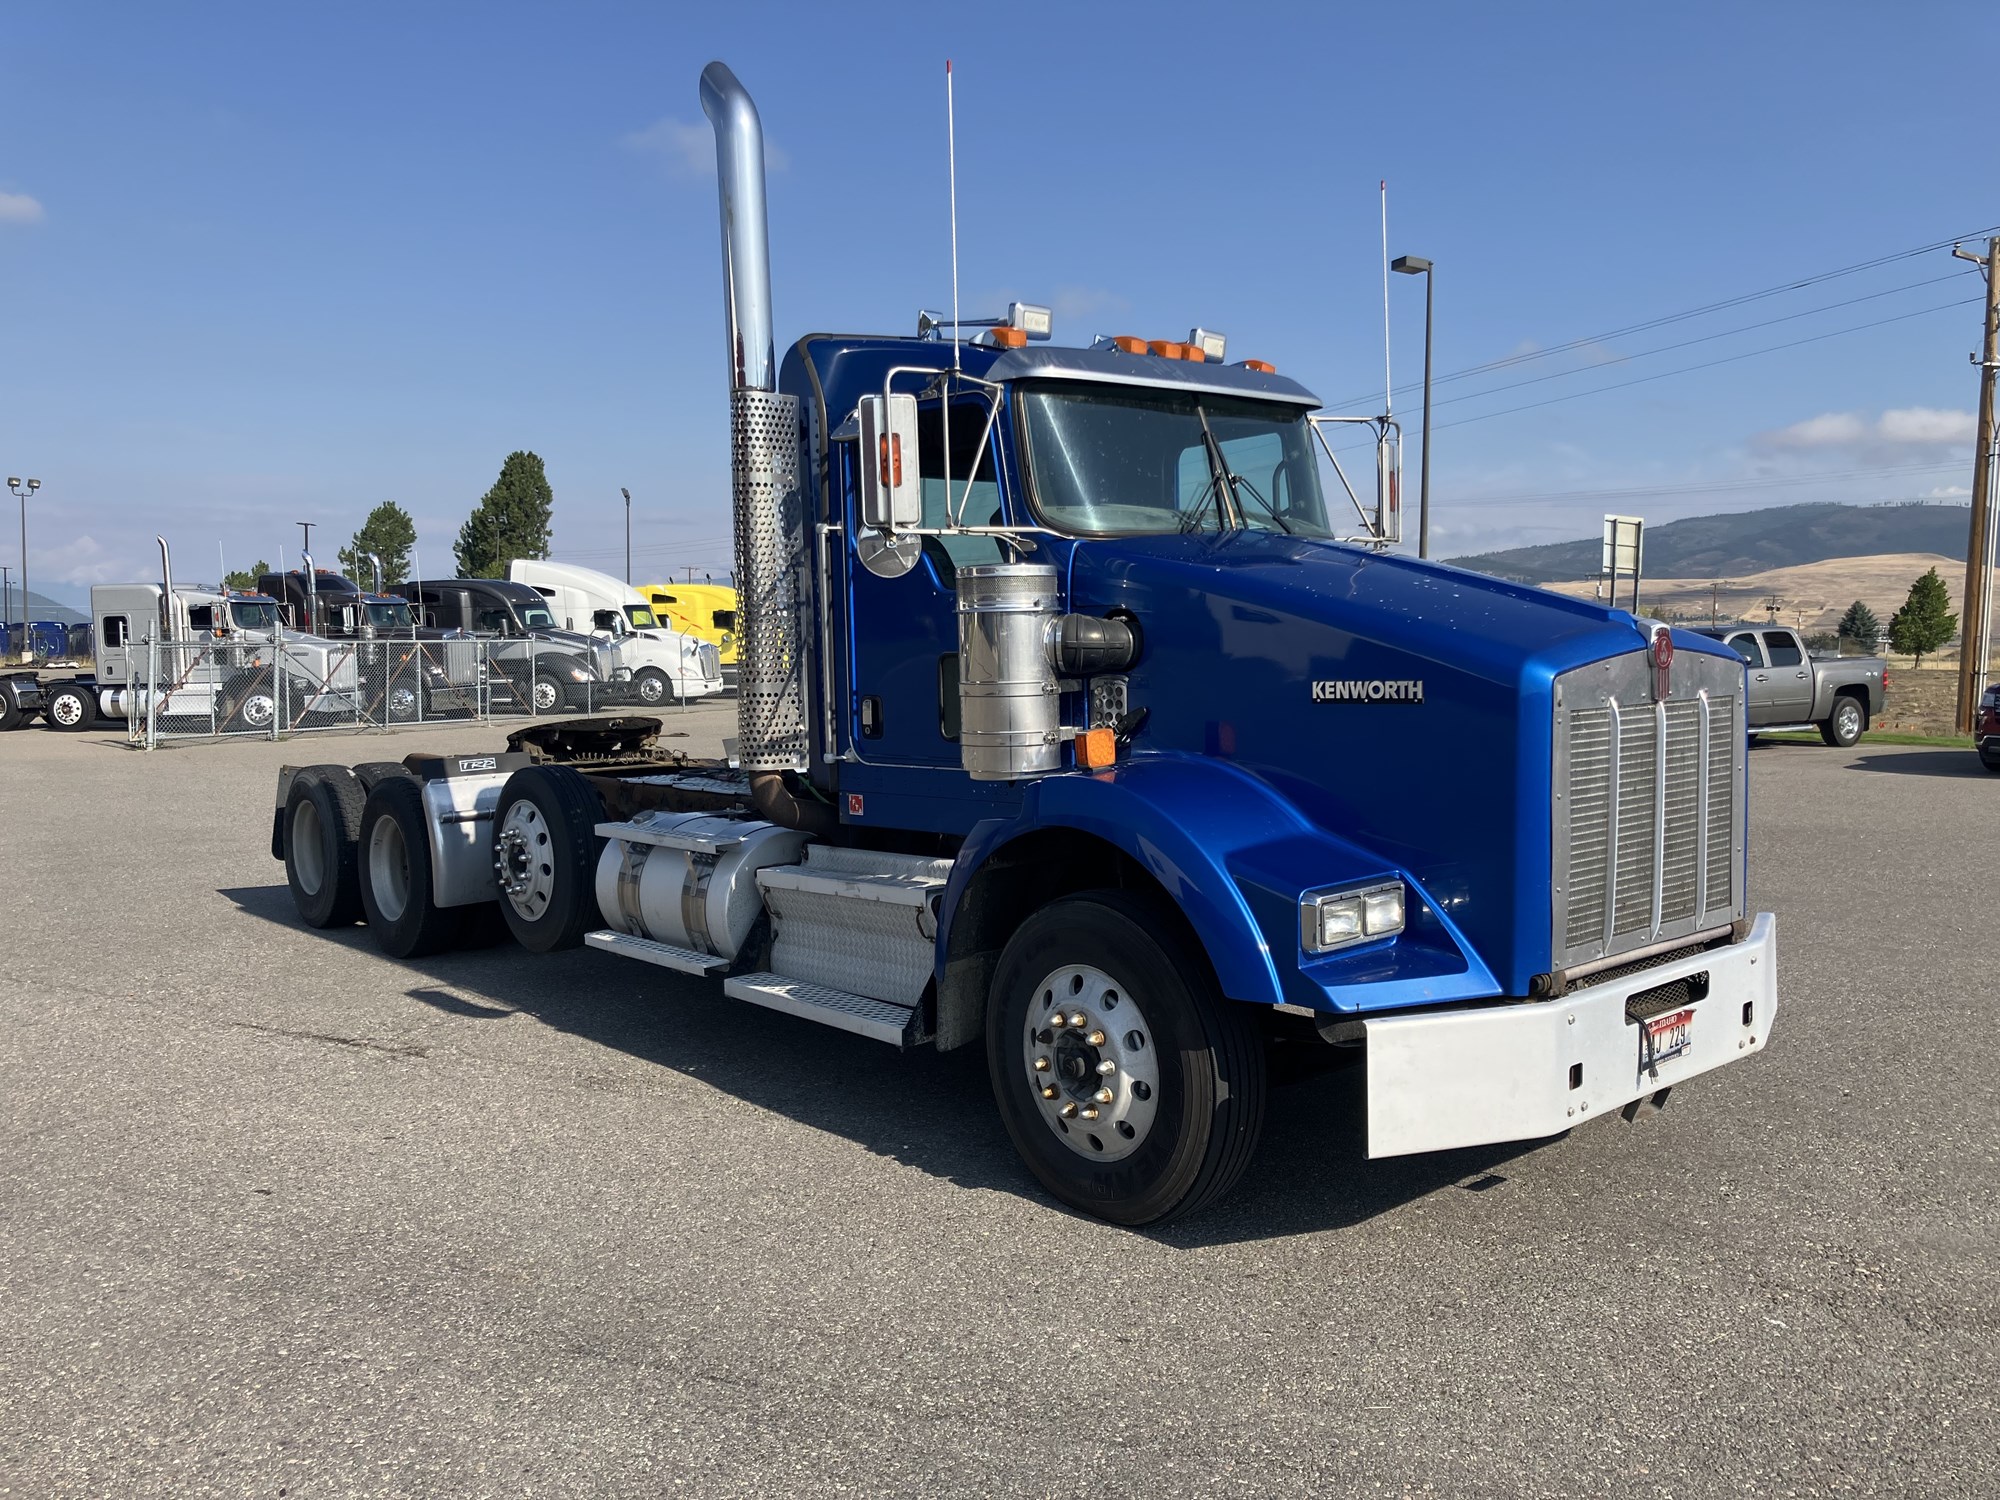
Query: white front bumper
[[1522, 1071]]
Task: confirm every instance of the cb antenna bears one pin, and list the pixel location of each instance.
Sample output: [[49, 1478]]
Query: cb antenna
[[1386, 382], [951, 155]]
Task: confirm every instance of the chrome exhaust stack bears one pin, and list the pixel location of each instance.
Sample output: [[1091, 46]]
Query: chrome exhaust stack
[[767, 506], [168, 616]]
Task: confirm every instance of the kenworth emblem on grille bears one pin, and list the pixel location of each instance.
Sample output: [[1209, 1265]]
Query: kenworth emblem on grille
[[1369, 690], [1663, 663]]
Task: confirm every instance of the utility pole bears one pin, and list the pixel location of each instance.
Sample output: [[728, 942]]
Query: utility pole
[[1979, 542], [628, 534]]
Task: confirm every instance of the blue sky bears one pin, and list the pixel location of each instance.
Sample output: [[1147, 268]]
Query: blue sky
[[264, 263]]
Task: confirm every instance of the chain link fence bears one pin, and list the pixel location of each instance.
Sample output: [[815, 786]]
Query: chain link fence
[[198, 690]]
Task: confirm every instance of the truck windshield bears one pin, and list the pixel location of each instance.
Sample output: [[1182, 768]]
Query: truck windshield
[[641, 617], [1126, 462], [254, 616], [391, 617]]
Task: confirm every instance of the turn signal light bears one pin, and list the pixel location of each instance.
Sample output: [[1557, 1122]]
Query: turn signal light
[[1167, 349], [1096, 749], [1129, 345], [1262, 367], [1008, 338]]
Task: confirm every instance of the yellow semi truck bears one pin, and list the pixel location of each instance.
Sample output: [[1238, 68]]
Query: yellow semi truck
[[706, 611]]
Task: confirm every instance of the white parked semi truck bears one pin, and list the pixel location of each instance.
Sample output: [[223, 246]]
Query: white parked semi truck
[[665, 665]]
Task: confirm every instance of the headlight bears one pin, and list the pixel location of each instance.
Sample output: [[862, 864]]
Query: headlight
[[579, 674], [1330, 920]]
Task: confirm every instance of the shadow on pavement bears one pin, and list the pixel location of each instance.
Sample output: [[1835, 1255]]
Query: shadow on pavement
[[1951, 762], [924, 1109]]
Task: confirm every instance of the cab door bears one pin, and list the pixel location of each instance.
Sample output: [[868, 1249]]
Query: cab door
[[1757, 702], [902, 699], [1791, 678]]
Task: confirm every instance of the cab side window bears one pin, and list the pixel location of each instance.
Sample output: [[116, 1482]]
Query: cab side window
[[980, 508], [1745, 646], [116, 630], [1784, 649], [201, 617]]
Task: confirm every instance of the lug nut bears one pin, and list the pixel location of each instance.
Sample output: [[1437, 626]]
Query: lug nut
[[1048, 1091], [1068, 1111], [1041, 1065], [1103, 1096], [1090, 1111], [1077, 1018], [1096, 1039], [1107, 1067]]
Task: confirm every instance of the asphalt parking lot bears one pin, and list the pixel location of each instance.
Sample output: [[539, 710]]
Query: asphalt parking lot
[[285, 1218]]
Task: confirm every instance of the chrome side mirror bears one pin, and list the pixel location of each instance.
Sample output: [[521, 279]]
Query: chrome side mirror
[[891, 491]]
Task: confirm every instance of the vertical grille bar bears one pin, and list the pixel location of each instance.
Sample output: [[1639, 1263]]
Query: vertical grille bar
[[1611, 836], [1701, 804], [1659, 810]]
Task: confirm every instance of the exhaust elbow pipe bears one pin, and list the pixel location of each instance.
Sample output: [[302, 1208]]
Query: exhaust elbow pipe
[[765, 506], [746, 237], [166, 592]]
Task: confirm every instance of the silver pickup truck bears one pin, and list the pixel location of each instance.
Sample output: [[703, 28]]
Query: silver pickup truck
[[1790, 688]]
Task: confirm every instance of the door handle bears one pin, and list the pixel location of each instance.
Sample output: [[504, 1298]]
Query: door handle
[[1761, 677], [1801, 676]]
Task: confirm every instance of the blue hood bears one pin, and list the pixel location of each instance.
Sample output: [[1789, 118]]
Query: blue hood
[[1455, 788]]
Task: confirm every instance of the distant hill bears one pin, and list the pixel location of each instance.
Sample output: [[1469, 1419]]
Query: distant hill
[[1752, 541]]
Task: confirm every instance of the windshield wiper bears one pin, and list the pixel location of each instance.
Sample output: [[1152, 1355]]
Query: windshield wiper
[[1191, 519], [1269, 509], [1218, 468]]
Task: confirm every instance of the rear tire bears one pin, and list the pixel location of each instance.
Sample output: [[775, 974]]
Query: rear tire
[[322, 825], [11, 717], [545, 849], [1187, 1076], [1844, 725], [70, 708], [395, 860]]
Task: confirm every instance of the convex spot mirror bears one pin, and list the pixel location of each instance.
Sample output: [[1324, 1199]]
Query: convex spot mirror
[[891, 489]]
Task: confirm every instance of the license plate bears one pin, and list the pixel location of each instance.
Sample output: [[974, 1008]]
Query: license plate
[[1664, 1037]]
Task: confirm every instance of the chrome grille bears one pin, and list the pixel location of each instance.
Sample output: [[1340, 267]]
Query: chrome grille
[[1647, 832], [710, 659]]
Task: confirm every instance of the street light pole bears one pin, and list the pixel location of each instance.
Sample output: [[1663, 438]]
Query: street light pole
[[27, 639], [628, 534], [1411, 265]]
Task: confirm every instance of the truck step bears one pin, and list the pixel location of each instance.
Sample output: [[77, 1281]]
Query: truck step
[[861, 875], [879, 1019], [685, 960]]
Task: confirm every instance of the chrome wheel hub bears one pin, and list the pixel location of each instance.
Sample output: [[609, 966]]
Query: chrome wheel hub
[[259, 711], [402, 703], [1847, 720], [67, 709], [545, 695], [1090, 1060], [521, 862]]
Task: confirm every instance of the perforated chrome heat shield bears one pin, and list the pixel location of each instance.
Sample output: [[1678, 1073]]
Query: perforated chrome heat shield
[[768, 509]]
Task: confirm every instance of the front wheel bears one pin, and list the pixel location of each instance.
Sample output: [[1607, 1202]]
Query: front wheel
[[652, 686], [1844, 725], [548, 693], [1132, 1089], [70, 707]]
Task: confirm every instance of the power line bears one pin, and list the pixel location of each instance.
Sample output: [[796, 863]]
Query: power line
[[1710, 364], [1706, 338], [1662, 321]]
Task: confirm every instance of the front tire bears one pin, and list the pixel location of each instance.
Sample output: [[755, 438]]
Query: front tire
[[70, 708], [545, 850], [1844, 725], [652, 686], [396, 884], [548, 693], [1132, 1088]]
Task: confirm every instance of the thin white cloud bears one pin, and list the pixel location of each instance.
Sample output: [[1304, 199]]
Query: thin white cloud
[[19, 208], [688, 149], [1909, 426]]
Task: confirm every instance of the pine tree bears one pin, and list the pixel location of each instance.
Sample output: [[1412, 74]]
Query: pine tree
[[1925, 622], [1860, 624], [389, 533], [511, 521], [245, 582]]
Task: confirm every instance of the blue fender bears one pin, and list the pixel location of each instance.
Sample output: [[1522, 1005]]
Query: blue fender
[[1236, 856]]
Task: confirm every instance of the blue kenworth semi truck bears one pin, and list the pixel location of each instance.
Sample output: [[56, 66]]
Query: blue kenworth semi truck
[[1070, 726]]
